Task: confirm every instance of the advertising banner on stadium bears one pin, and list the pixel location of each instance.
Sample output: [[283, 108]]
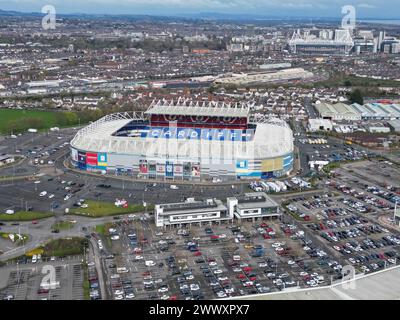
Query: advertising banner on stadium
[[102, 159], [82, 160], [195, 170], [160, 168], [91, 159], [169, 169], [178, 169], [74, 155], [152, 167], [143, 167], [187, 169]]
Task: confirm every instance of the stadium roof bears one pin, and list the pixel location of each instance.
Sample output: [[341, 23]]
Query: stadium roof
[[190, 108]]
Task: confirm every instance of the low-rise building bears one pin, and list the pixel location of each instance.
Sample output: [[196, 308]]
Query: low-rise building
[[191, 211], [253, 206], [6, 160], [315, 125]]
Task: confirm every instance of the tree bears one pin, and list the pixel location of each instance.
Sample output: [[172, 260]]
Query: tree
[[348, 83], [356, 96]]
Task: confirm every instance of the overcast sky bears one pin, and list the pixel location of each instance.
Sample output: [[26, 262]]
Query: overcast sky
[[311, 8]]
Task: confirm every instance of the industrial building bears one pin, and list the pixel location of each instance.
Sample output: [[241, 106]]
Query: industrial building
[[266, 77], [191, 211], [337, 112], [357, 112], [186, 140], [255, 205]]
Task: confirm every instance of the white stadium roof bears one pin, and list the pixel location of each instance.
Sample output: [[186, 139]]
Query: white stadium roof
[[273, 138], [190, 108]]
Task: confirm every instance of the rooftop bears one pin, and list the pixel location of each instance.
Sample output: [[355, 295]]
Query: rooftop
[[192, 108], [255, 199]]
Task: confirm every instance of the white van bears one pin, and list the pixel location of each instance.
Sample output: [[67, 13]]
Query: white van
[[174, 187]]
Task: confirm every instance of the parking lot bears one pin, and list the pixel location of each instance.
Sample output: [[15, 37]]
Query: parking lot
[[26, 281], [210, 262]]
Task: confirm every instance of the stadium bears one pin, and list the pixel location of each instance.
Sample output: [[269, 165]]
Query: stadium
[[186, 140]]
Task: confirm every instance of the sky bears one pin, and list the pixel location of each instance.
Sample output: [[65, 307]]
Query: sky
[[386, 9]]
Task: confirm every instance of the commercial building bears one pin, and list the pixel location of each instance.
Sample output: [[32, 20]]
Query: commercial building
[[255, 205], [191, 211], [357, 112], [315, 125], [186, 140]]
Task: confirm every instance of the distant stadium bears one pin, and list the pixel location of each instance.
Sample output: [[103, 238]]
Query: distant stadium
[[186, 140]]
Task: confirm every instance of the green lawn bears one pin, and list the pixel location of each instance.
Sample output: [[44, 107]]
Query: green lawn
[[25, 216], [102, 209], [17, 240], [65, 247], [21, 120]]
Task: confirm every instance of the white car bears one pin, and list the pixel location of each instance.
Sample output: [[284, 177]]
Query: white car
[[194, 287], [222, 278], [221, 294], [189, 277], [115, 237], [263, 264], [150, 263], [291, 262], [43, 193], [165, 297], [276, 245], [51, 196], [163, 290], [222, 236], [218, 271], [159, 234], [119, 297], [138, 257], [213, 264], [130, 296], [118, 292]]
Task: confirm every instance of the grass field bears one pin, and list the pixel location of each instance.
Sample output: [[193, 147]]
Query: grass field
[[102, 209], [48, 119], [65, 247], [21, 120], [25, 216]]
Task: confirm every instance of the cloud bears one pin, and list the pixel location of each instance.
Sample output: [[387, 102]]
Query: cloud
[[366, 6]]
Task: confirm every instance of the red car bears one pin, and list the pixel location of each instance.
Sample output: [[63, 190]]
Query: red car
[[214, 237], [253, 278], [41, 291], [241, 276], [307, 218], [197, 253], [173, 298], [263, 225], [34, 222], [266, 236]]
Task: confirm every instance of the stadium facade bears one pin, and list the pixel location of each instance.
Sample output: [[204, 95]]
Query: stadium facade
[[186, 140]]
